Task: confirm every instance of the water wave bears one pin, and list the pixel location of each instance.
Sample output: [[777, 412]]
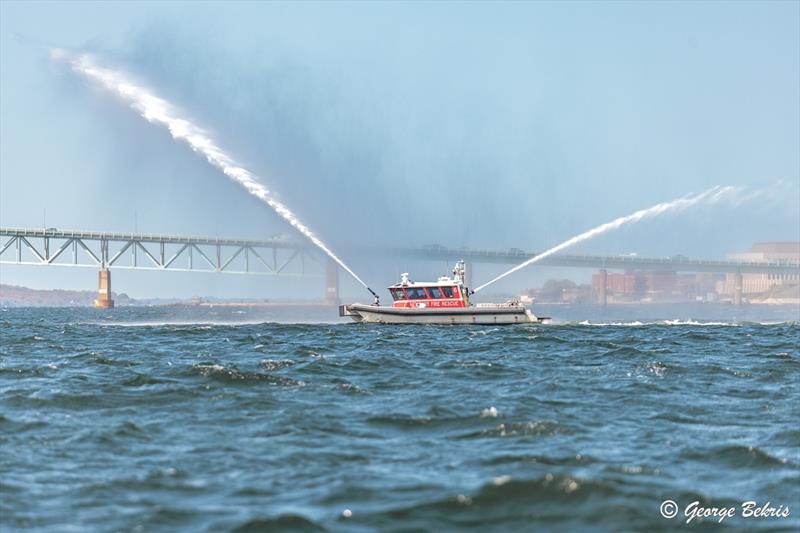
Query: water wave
[[737, 456], [209, 428], [284, 522], [231, 374]]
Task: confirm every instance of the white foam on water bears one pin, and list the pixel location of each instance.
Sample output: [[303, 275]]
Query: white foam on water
[[675, 322], [159, 111], [690, 322], [203, 324], [490, 412], [630, 324], [500, 480]]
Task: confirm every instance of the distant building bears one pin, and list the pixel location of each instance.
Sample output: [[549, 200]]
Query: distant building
[[661, 285], [701, 286], [623, 284], [620, 286], [656, 286], [762, 283]]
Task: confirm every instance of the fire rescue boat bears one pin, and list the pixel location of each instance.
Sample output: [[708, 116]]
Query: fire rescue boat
[[445, 301]]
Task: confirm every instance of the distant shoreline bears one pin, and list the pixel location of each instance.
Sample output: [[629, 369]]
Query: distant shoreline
[[17, 296]]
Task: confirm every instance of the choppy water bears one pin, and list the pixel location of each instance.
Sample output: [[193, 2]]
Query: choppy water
[[121, 421]]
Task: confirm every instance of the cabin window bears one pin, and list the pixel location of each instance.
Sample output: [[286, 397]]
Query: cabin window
[[448, 292], [435, 292], [398, 294], [416, 294]]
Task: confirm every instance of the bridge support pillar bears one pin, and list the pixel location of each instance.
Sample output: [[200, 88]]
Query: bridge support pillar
[[737, 288], [332, 283], [104, 300], [602, 289]]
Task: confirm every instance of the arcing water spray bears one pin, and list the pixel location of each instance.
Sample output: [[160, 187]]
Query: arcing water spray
[[159, 111], [712, 195]]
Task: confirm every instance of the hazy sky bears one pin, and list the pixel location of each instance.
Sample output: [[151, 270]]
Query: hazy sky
[[484, 125]]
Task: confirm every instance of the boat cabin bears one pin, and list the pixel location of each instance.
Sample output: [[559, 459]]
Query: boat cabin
[[445, 292]]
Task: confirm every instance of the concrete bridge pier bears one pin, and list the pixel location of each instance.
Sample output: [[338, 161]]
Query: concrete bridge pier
[[602, 293], [104, 300], [737, 288], [331, 283]]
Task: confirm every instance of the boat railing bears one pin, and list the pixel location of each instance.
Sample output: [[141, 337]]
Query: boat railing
[[510, 303]]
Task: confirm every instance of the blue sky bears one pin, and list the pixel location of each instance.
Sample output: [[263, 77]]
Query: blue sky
[[486, 125]]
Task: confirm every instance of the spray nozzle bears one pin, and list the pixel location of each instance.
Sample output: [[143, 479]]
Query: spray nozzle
[[377, 298]]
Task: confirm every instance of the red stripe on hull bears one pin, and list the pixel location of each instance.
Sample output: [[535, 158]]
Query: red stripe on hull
[[430, 303]]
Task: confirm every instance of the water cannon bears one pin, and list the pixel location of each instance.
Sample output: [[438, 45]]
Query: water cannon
[[377, 298]]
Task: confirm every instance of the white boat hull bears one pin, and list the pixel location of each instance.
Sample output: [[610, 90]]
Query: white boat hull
[[485, 314]]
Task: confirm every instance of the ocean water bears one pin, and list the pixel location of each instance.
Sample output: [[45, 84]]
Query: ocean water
[[226, 419]]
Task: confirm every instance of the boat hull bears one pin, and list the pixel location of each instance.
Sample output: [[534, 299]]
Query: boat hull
[[487, 314]]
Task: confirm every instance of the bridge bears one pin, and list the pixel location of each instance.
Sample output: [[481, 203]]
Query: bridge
[[676, 263], [105, 251], [144, 251]]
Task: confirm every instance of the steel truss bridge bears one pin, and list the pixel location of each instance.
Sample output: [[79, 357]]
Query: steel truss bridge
[[612, 262], [105, 251], [275, 256], [154, 252]]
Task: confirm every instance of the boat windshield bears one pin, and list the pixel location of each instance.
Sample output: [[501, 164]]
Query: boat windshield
[[398, 294], [416, 293]]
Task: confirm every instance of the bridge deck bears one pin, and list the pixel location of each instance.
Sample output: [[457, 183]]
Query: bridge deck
[[54, 233], [433, 253], [620, 262]]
